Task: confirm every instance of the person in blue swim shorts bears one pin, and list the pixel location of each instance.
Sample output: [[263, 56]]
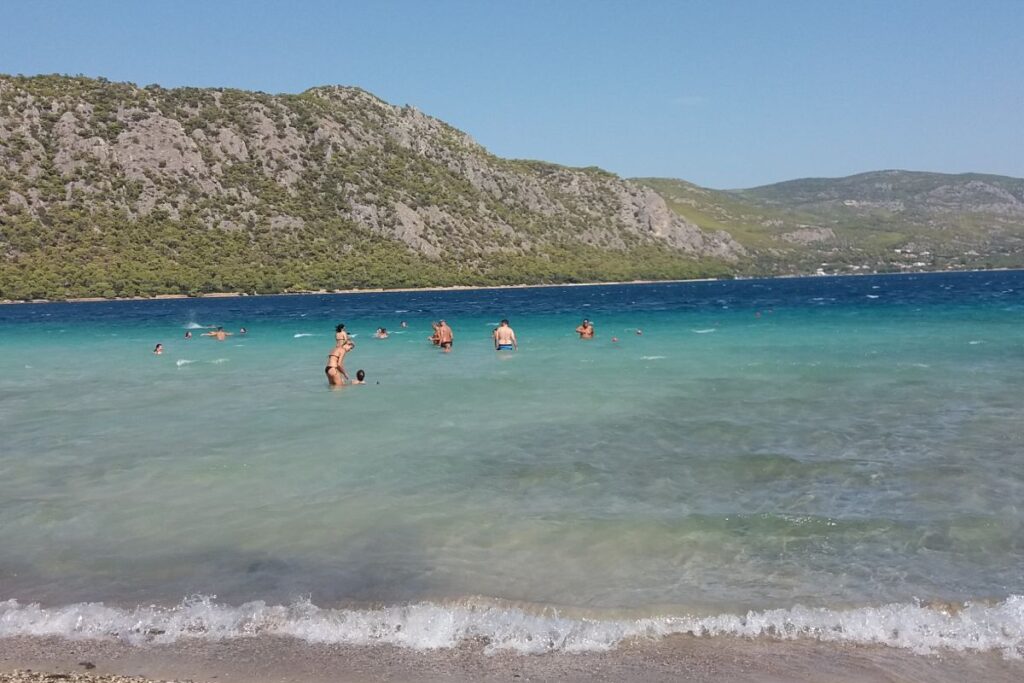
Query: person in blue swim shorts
[[505, 338]]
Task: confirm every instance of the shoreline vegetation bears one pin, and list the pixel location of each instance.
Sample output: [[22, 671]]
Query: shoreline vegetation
[[389, 290]]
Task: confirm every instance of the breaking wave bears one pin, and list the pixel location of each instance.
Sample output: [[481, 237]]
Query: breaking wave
[[977, 627]]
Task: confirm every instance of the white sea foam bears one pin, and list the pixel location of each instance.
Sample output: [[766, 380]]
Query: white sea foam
[[218, 361], [975, 342], [705, 331], [299, 335], [183, 361], [873, 296], [922, 629], [194, 326], [652, 357]]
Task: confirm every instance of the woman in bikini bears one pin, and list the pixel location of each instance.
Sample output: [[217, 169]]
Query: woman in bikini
[[340, 335], [335, 370]]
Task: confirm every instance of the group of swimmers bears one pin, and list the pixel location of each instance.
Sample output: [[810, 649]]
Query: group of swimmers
[[503, 336], [218, 333]]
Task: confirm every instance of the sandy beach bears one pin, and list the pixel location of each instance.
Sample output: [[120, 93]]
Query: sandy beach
[[284, 660]]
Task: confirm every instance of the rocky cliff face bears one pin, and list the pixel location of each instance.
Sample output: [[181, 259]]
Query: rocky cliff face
[[276, 167]]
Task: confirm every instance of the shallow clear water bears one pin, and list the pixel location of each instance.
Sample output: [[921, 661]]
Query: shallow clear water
[[827, 442]]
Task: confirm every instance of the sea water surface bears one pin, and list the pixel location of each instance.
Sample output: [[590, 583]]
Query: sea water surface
[[838, 458]]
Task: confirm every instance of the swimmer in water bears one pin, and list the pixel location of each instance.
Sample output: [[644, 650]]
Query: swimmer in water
[[444, 336], [360, 377], [243, 331], [335, 370], [435, 338], [219, 334], [381, 333], [585, 330], [505, 338], [188, 334], [639, 332], [404, 324], [158, 349]]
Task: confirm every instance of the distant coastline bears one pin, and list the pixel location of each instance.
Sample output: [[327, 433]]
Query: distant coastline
[[382, 290], [369, 290]]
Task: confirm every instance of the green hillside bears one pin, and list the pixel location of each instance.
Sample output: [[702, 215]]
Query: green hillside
[[109, 189], [880, 221]]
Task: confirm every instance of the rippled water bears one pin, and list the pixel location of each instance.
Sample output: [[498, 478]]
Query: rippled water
[[834, 443]]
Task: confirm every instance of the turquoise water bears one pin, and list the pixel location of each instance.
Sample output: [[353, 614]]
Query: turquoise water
[[834, 443]]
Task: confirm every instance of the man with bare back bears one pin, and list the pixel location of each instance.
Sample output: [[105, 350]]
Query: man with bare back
[[444, 336], [505, 338], [219, 334]]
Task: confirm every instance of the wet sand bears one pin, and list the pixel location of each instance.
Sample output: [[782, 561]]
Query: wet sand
[[681, 658]]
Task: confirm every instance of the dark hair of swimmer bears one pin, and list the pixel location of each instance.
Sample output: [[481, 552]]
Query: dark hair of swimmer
[[340, 327], [360, 375], [504, 321]]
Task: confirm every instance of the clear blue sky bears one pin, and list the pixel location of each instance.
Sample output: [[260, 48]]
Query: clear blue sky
[[725, 94]]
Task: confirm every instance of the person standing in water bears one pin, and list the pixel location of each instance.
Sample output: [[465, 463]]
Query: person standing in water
[[505, 338], [585, 330], [335, 370], [340, 335], [444, 336]]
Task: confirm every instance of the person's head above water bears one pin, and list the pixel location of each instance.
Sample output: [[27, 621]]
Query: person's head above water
[[360, 375], [159, 348], [340, 327], [504, 321]]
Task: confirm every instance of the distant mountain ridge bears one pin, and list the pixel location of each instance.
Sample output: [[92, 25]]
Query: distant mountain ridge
[[110, 189], [878, 221]]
